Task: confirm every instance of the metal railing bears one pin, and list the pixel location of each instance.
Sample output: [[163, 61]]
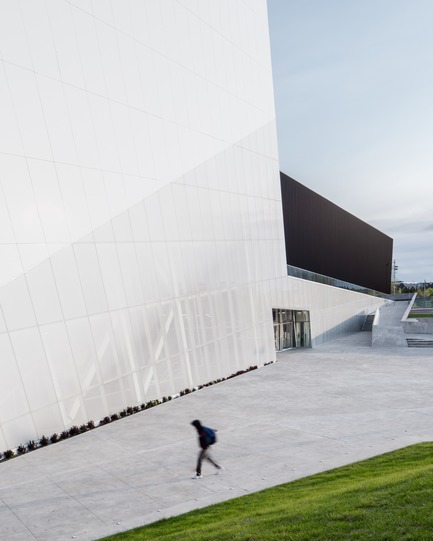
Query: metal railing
[[296, 272], [423, 302]]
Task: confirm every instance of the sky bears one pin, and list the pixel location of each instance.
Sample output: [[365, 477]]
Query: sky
[[353, 84]]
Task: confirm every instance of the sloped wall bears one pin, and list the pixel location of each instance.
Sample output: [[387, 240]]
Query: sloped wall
[[140, 204]]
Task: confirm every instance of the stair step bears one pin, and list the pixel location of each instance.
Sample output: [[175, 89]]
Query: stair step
[[419, 343], [368, 323]]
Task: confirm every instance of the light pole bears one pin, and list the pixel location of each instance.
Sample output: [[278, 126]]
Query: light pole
[[394, 269]]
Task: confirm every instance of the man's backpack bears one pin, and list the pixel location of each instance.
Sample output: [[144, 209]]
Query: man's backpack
[[210, 435]]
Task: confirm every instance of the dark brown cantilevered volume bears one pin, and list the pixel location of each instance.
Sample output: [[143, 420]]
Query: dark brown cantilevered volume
[[323, 238]]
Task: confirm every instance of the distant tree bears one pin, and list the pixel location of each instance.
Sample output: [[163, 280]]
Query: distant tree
[[408, 289]]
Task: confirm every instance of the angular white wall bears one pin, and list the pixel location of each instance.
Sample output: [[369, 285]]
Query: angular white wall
[[139, 203], [141, 235]]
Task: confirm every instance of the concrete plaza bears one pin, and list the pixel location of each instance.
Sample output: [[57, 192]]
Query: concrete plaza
[[313, 410]]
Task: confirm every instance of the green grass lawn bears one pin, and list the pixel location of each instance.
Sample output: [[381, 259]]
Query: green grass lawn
[[419, 316], [386, 498]]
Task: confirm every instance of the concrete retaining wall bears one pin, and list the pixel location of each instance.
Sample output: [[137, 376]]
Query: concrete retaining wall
[[386, 335], [416, 326]]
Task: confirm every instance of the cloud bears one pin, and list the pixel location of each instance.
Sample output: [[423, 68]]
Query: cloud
[[399, 227]]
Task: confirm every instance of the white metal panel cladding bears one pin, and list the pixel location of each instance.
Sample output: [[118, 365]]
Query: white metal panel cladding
[[138, 181]]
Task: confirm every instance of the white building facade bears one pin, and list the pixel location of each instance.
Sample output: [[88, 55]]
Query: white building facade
[[141, 236]]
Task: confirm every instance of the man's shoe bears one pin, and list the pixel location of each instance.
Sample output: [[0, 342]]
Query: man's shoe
[[219, 470], [197, 476]]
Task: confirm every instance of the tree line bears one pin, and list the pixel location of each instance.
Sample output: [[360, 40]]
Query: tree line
[[425, 290]]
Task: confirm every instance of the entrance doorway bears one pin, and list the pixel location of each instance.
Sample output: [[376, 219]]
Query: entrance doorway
[[291, 328]]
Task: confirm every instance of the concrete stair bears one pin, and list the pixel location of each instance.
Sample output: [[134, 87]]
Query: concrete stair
[[368, 323], [419, 343]]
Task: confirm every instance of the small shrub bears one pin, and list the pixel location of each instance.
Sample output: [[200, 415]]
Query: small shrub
[[44, 441], [9, 454], [135, 409], [104, 421], [129, 410], [83, 428], [21, 449], [143, 406], [114, 417], [74, 431], [151, 403], [64, 435], [123, 413], [54, 438], [90, 425], [31, 445]]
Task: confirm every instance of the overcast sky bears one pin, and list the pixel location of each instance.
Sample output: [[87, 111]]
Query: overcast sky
[[353, 84]]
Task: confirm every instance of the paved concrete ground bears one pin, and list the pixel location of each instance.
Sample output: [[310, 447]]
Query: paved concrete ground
[[311, 411]]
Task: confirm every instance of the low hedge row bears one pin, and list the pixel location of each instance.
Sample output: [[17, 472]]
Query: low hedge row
[[90, 425]]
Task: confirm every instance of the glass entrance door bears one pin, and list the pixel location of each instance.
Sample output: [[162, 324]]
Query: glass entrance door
[[291, 328], [302, 329]]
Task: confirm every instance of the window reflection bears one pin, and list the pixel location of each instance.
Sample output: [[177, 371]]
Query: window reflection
[[291, 328]]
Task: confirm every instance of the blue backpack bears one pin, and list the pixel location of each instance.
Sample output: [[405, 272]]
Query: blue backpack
[[210, 435]]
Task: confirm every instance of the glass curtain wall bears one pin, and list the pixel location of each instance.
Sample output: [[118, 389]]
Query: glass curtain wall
[[291, 328]]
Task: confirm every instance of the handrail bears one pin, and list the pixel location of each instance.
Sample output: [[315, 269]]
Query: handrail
[[297, 272], [422, 302]]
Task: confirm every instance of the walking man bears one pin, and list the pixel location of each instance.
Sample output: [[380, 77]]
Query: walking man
[[206, 438]]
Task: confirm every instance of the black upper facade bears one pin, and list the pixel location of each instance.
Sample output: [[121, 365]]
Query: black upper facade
[[323, 238]]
